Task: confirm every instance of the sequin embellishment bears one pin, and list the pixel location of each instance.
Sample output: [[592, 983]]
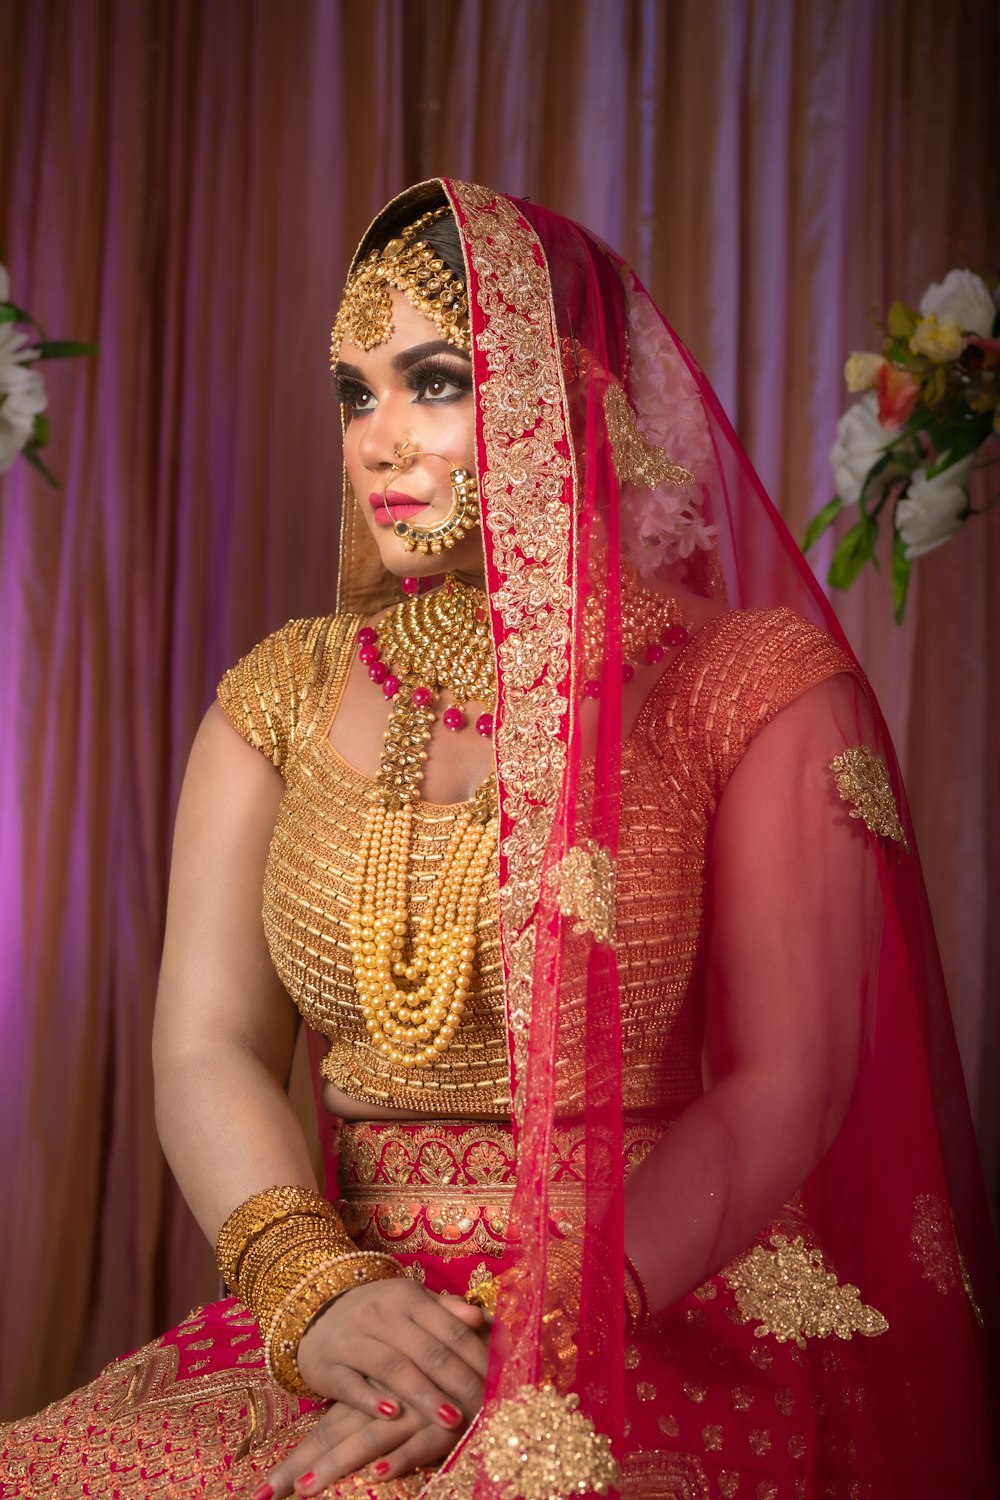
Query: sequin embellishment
[[790, 1291], [538, 1445], [863, 781]]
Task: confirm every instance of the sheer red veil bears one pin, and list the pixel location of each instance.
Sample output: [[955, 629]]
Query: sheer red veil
[[603, 457]]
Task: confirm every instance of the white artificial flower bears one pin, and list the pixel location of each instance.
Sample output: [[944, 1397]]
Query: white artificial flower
[[860, 442], [4, 284], [932, 509], [962, 298], [22, 393]]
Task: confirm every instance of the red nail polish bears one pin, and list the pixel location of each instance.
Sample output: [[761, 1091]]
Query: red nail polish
[[382, 1467], [449, 1414], [388, 1408], [305, 1482], [264, 1492]]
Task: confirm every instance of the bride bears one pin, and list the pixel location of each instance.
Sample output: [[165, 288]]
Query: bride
[[577, 841]]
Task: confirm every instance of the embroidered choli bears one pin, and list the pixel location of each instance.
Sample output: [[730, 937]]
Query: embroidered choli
[[736, 673]]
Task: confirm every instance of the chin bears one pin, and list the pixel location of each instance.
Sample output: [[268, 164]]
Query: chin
[[466, 557]]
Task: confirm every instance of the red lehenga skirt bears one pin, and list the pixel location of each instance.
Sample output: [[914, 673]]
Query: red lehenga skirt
[[713, 1409]]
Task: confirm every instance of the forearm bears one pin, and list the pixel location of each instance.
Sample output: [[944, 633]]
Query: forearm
[[717, 1177], [227, 1129]]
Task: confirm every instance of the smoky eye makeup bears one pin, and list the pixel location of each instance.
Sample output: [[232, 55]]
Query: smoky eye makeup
[[440, 369], [350, 391]]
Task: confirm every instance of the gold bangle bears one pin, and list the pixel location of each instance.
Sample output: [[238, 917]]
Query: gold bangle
[[251, 1218], [304, 1303], [275, 1243], [284, 1273]]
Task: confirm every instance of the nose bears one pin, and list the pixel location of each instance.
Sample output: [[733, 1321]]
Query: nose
[[383, 438]]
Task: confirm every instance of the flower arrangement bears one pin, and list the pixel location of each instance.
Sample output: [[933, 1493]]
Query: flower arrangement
[[928, 403], [24, 427]]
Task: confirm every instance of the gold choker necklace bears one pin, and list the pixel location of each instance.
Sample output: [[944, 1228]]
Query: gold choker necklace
[[413, 992]]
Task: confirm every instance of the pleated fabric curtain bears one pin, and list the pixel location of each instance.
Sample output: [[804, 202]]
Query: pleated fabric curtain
[[184, 181]]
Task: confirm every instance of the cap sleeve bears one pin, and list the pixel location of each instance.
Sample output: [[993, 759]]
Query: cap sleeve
[[272, 695], [759, 662]]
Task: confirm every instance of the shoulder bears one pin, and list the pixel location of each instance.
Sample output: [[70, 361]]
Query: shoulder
[[273, 694], [747, 665]]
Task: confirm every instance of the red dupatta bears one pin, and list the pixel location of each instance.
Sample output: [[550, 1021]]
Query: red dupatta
[[578, 491]]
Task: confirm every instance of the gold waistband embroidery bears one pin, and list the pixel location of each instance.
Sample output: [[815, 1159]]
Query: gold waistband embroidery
[[445, 1187]]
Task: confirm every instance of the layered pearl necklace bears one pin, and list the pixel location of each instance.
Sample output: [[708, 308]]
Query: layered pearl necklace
[[428, 644]]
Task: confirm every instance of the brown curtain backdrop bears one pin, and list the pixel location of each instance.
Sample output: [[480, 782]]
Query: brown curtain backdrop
[[183, 181]]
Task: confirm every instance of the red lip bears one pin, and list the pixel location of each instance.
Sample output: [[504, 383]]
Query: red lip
[[393, 506]]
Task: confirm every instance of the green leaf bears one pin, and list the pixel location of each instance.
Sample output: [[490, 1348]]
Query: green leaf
[[856, 548], [34, 459], [40, 430], [11, 313], [822, 520], [902, 321], [958, 444], [902, 567], [64, 349]]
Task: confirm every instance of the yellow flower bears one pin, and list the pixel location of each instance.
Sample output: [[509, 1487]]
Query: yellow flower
[[861, 371], [938, 342]]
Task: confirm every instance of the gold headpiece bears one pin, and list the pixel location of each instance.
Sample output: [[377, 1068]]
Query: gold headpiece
[[409, 265]]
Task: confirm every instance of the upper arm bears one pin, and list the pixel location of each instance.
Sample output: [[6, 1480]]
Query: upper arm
[[217, 981], [794, 915]]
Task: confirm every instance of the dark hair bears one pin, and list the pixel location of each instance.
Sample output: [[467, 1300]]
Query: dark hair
[[443, 239]]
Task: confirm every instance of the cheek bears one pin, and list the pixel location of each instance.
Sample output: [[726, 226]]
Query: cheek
[[352, 461], [458, 437]]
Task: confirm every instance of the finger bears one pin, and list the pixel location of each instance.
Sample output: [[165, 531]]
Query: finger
[[425, 1374], [344, 1385], [469, 1313], [426, 1447], [463, 1337], [332, 1427], [366, 1446]]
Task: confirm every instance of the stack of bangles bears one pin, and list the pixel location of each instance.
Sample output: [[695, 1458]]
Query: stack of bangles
[[285, 1253]]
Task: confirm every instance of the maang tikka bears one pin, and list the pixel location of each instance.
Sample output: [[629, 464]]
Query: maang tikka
[[462, 518]]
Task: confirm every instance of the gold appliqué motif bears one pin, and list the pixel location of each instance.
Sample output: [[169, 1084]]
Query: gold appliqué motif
[[790, 1291], [863, 780], [637, 460], [584, 886], [538, 1445]]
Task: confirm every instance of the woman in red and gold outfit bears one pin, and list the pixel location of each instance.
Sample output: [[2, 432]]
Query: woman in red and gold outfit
[[585, 860]]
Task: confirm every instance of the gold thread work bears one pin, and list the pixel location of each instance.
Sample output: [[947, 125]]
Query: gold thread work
[[584, 883], [637, 460]]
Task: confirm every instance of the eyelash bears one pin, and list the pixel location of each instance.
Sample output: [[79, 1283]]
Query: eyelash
[[418, 378]]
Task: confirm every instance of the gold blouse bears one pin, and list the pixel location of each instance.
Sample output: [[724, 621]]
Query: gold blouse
[[736, 673]]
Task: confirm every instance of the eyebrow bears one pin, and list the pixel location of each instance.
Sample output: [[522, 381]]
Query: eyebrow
[[408, 357]]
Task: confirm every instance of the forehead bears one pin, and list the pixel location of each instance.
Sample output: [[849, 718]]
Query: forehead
[[409, 330]]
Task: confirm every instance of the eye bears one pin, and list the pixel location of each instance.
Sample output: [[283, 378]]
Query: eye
[[356, 397], [440, 381]]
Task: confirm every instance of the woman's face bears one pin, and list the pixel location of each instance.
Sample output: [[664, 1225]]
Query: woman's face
[[414, 389]]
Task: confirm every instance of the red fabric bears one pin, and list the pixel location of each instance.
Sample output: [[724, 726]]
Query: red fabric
[[816, 930]]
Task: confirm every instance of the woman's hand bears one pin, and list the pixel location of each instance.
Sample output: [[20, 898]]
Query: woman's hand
[[406, 1369], [345, 1440]]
